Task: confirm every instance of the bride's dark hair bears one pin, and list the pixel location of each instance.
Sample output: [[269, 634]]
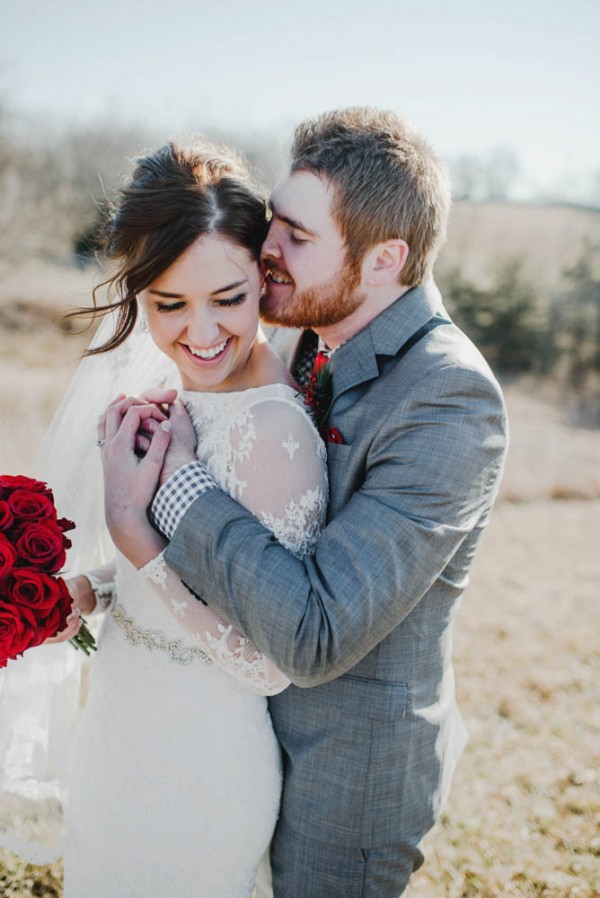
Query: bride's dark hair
[[176, 194]]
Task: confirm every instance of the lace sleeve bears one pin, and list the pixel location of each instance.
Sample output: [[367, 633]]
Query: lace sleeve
[[102, 581], [219, 641], [278, 472]]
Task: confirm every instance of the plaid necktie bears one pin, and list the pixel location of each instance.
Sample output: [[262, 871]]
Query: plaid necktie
[[305, 357]]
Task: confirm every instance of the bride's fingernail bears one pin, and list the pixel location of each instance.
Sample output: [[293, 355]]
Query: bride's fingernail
[[166, 426]]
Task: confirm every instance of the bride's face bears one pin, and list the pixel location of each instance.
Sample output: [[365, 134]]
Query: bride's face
[[203, 313]]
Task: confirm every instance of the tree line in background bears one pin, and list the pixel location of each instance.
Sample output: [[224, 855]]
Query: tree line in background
[[520, 331], [54, 194]]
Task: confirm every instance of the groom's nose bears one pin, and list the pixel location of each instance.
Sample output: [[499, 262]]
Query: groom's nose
[[271, 248]]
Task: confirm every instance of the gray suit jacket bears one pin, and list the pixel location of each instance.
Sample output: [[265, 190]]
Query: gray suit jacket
[[369, 748]]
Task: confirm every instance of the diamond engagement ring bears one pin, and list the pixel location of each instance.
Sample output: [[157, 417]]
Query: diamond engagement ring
[[100, 442]]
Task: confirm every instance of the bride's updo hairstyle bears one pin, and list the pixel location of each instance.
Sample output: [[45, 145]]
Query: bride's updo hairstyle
[[176, 194]]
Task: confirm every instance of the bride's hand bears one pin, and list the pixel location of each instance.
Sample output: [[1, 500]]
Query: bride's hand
[[72, 628], [161, 400], [129, 481], [74, 622]]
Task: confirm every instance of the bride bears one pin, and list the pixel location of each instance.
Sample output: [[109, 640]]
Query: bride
[[175, 776]]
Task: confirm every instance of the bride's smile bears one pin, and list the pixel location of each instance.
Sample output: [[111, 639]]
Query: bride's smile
[[209, 355]]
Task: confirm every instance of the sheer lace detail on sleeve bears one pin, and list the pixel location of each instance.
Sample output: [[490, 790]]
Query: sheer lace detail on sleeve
[[221, 642], [277, 471]]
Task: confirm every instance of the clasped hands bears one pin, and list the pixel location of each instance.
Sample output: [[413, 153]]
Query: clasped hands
[[143, 442]]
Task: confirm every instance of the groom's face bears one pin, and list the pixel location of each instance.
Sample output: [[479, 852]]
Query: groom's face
[[309, 279]]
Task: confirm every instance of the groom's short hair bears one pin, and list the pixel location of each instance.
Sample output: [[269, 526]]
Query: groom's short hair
[[388, 182]]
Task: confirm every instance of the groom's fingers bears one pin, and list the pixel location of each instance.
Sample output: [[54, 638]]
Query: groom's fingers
[[155, 454], [142, 444]]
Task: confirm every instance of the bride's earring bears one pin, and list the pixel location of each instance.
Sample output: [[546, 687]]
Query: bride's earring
[[143, 322]]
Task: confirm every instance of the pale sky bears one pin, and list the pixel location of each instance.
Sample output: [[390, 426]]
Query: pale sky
[[474, 75]]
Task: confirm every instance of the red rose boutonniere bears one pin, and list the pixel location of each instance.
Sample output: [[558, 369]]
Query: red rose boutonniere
[[333, 435], [317, 398]]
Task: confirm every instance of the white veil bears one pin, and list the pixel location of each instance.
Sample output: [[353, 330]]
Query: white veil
[[41, 693]]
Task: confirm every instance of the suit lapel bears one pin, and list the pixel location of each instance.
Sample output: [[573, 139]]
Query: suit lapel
[[356, 361]]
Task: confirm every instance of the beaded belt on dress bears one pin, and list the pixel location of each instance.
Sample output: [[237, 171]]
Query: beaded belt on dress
[[156, 641]]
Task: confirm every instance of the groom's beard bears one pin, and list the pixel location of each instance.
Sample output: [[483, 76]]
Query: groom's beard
[[319, 306]]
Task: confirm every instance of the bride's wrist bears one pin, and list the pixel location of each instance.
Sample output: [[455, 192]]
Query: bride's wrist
[[143, 547]]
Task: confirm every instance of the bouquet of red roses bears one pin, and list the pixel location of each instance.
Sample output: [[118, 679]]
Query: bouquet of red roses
[[34, 602]]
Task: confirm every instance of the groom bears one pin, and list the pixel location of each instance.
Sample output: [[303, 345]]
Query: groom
[[417, 434]]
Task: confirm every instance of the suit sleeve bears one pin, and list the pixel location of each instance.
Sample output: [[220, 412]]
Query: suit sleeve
[[430, 477]]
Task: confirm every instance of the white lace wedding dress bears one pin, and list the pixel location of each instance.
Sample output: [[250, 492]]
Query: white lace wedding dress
[[175, 779]]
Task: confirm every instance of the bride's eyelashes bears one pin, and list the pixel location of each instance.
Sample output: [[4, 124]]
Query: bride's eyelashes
[[234, 301], [168, 306], [224, 303]]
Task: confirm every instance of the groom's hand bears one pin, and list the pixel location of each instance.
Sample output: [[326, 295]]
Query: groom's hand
[[182, 445]]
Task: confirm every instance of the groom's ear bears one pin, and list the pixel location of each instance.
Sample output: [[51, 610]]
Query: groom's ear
[[384, 262]]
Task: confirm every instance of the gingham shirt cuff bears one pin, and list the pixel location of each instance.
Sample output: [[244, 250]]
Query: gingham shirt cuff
[[176, 495]]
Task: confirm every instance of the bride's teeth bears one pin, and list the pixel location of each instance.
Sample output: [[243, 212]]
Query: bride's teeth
[[208, 353]]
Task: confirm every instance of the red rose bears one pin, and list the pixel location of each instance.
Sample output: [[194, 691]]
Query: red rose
[[29, 506], [57, 618], [18, 631], [321, 361], [43, 545], [6, 515], [37, 591], [18, 482], [8, 557], [65, 524]]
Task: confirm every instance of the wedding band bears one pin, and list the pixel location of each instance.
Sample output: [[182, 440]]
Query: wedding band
[[100, 442]]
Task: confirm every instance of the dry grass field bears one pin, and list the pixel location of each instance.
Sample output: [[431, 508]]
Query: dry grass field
[[523, 820], [549, 239], [524, 815]]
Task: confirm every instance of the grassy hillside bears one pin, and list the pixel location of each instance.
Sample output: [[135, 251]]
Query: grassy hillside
[[549, 239]]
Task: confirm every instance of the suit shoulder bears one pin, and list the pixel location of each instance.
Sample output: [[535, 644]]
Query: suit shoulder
[[447, 356]]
